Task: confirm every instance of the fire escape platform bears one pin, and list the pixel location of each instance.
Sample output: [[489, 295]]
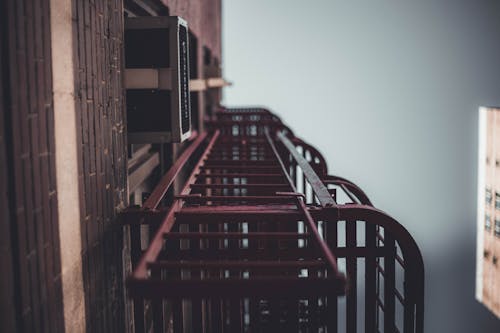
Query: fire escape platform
[[237, 214], [269, 287], [254, 238]]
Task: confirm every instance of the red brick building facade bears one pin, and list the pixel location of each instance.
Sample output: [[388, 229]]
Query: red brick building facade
[[71, 53]]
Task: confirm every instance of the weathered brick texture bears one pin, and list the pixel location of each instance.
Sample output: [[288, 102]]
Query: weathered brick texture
[[29, 234], [98, 39], [7, 308]]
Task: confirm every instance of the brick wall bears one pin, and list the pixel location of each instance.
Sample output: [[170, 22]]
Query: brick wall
[[30, 232], [31, 296], [7, 307], [98, 36]]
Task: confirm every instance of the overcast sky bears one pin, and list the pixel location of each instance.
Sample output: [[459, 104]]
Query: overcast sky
[[388, 91]]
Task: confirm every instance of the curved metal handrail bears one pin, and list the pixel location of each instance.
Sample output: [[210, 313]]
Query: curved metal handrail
[[350, 186], [322, 161], [414, 264]]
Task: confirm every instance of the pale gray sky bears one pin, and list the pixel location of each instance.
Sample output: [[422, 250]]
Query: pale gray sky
[[388, 91]]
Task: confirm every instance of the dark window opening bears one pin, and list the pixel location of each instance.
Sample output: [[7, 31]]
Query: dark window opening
[[488, 196], [147, 48], [487, 222], [207, 56]]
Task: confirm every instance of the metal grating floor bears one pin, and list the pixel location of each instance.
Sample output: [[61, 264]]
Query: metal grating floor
[[253, 242]]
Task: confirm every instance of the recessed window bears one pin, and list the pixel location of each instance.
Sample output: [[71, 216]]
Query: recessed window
[[497, 200], [497, 227], [488, 196], [487, 222]]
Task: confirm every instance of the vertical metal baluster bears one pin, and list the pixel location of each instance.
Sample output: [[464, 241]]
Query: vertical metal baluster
[[370, 278], [389, 282], [332, 300], [351, 266]]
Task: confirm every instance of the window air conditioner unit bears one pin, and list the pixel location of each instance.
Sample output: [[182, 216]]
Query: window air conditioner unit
[[157, 79]]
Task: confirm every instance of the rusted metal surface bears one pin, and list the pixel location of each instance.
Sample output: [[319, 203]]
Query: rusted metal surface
[[168, 179], [262, 239], [319, 188]]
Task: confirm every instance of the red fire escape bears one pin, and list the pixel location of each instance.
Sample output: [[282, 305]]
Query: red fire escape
[[262, 239]]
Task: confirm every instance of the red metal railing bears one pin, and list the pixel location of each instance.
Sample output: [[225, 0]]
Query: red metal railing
[[261, 238]]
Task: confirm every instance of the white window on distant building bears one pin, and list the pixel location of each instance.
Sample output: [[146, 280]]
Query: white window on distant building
[[488, 196], [487, 222]]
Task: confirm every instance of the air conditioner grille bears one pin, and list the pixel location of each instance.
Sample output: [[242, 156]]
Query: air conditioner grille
[[184, 79]]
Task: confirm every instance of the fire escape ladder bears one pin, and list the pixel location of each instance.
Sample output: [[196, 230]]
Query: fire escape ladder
[[259, 239]]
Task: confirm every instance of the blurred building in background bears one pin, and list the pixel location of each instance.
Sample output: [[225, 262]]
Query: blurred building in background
[[488, 220]]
